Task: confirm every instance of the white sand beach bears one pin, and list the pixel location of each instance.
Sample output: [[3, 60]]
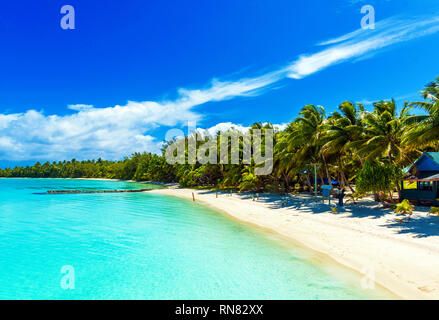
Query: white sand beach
[[403, 256]]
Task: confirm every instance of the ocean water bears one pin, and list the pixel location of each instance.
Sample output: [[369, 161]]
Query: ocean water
[[148, 246]]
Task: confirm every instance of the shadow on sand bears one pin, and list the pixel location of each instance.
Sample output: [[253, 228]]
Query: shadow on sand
[[420, 224]]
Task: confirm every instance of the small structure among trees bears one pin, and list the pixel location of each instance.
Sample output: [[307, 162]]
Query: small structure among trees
[[422, 180]]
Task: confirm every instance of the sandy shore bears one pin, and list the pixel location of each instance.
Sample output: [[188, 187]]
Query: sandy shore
[[404, 257]]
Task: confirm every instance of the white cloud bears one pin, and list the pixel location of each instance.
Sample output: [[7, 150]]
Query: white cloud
[[225, 126], [79, 107], [224, 90], [117, 131], [112, 132], [361, 42], [280, 127]]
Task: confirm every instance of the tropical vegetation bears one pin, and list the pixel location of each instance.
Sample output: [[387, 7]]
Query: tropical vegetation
[[405, 208], [359, 150]]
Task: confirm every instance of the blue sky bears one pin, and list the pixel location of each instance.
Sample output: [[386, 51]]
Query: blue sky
[[132, 70]]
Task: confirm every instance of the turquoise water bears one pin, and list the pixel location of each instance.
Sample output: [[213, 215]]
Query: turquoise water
[[148, 246]]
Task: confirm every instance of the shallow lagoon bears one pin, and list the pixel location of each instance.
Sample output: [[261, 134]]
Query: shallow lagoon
[[149, 246]]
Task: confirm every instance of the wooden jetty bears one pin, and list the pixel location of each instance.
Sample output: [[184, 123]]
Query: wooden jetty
[[93, 191]]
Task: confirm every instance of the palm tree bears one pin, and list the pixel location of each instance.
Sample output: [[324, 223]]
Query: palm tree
[[384, 131], [306, 137], [283, 155], [426, 132], [432, 90], [341, 130]]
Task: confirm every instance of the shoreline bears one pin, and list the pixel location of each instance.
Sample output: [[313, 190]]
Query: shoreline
[[363, 237], [102, 179]]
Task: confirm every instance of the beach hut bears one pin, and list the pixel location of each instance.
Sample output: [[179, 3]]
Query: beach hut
[[421, 183]]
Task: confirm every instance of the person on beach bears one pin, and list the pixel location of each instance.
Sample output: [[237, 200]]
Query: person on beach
[[341, 195]]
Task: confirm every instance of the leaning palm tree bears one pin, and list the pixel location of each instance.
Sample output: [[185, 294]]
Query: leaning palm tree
[[283, 156], [426, 132], [341, 131], [305, 137]]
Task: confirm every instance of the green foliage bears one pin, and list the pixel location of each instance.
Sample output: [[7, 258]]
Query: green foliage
[[434, 211], [425, 133], [249, 182], [404, 208], [355, 196], [142, 167], [376, 177]]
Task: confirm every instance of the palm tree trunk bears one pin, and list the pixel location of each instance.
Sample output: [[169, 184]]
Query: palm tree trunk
[[287, 185], [397, 181], [309, 183], [398, 188], [347, 182], [376, 197], [328, 176], [321, 177], [343, 177]]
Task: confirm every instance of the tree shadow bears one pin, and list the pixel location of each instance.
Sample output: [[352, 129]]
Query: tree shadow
[[277, 201], [366, 210], [418, 226]]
